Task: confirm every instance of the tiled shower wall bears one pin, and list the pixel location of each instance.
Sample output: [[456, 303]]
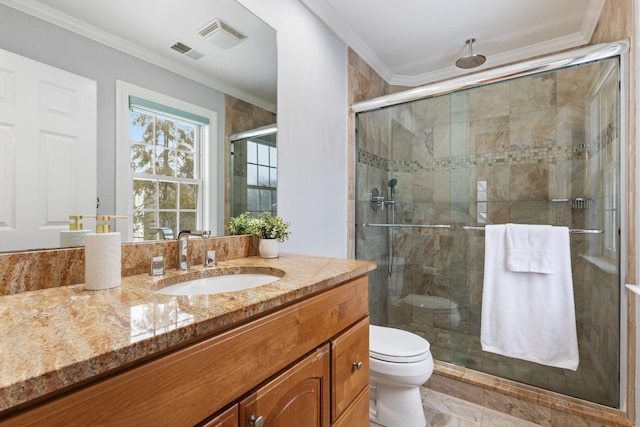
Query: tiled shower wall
[[503, 152]]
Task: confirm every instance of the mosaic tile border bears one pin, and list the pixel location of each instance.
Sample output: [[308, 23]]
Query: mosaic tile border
[[519, 156]]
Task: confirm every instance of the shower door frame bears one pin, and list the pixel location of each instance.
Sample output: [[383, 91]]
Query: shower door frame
[[545, 64]]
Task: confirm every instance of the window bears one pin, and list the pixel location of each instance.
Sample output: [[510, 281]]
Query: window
[[261, 177], [166, 165], [255, 172], [165, 162]]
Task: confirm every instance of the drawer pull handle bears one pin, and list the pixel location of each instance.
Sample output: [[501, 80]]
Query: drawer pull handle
[[256, 421], [357, 365]]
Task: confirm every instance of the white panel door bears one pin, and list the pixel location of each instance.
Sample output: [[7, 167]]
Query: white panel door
[[47, 151]]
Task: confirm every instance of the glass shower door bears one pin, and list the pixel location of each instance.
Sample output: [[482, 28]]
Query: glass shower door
[[542, 149], [408, 233]]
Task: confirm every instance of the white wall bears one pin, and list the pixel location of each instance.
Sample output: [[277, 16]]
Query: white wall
[[312, 128]]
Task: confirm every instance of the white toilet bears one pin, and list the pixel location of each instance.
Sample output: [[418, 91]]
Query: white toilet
[[400, 362]]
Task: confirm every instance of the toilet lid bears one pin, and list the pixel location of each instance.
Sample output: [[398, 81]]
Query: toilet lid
[[396, 345]]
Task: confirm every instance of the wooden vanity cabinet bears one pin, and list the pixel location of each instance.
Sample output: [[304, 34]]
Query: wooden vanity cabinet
[[300, 396], [262, 364]]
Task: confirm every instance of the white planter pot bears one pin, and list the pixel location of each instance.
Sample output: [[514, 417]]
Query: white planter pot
[[268, 248]]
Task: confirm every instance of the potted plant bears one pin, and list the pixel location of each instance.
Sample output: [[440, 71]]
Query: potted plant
[[241, 224], [271, 230]]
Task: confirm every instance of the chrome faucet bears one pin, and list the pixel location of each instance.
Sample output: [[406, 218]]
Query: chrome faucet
[[183, 240]]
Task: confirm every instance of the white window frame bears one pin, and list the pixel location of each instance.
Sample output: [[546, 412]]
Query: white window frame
[[124, 175], [272, 189]]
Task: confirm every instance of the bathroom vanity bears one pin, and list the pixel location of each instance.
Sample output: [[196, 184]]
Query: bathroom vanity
[[291, 353]]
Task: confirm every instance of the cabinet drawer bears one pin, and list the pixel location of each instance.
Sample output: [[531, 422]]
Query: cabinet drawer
[[349, 366], [356, 415]]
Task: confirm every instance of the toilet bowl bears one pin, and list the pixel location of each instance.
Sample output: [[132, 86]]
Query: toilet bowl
[[399, 362], [445, 313]]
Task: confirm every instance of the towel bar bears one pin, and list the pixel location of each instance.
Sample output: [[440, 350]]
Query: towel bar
[[408, 225], [571, 230]]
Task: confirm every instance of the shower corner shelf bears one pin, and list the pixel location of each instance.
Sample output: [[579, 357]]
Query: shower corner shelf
[[575, 203]]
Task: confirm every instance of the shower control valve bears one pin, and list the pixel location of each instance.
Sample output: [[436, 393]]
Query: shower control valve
[[376, 201]]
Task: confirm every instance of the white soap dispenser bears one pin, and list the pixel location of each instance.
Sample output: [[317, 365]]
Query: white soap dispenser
[[75, 235], [102, 256]]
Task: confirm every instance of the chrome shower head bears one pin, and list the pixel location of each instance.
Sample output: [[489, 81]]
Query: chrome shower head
[[471, 60], [392, 183]]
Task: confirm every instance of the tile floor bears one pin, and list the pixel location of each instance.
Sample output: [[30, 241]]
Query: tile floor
[[442, 410]]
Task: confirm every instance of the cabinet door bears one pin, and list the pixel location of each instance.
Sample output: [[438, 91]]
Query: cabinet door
[[299, 397], [350, 366], [228, 418]]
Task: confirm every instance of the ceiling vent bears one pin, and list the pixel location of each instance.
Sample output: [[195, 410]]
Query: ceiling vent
[[187, 51], [221, 34]]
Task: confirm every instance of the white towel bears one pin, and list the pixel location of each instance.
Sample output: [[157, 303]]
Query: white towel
[[529, 316], [529, 248]]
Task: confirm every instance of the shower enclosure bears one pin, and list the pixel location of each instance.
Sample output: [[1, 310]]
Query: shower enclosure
[[538, 149]]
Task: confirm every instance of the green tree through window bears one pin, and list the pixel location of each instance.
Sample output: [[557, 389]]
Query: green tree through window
[[165, 161]]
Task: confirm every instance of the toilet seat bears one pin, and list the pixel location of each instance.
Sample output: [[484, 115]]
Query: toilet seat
[[395, 345]]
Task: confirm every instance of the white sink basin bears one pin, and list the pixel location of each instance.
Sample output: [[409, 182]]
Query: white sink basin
[[219, 284]]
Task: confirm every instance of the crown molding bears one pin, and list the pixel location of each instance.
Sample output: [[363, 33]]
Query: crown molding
[[106, 38], [592, 15], [328, 16]]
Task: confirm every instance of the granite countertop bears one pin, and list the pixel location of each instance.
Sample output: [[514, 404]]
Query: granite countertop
[[57, 337]]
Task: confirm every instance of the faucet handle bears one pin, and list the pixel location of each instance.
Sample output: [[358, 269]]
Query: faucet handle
[[157, 266], [210, 259]]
